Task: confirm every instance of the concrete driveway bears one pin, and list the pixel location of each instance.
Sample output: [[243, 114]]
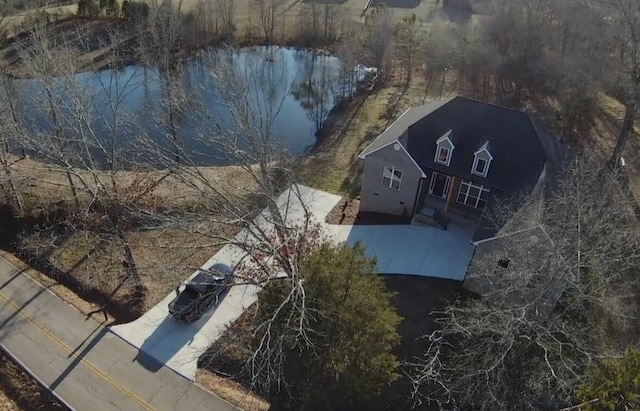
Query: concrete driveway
[[399, 249], [162, 340], [412, 249]]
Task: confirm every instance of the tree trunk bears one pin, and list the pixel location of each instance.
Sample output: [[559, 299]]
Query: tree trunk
[[625, 131], [13, 191], [59, 137], [565, 35]]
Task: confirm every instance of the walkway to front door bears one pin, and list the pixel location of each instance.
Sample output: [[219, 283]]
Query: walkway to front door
[[440, 185]]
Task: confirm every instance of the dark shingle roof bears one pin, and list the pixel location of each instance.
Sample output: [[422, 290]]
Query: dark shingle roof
[[395, 130], [519, 155]]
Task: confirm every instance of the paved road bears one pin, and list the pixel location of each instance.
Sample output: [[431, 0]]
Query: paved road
[[84, 363]]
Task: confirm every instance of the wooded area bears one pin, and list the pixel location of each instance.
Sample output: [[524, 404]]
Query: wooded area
[[123, 221]]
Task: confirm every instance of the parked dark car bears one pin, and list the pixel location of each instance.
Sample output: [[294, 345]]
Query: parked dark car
[[202, 293]]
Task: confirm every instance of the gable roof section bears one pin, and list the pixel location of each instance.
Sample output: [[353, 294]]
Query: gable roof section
[[484, 149], [518, 154], [395, 130], [445, 138]]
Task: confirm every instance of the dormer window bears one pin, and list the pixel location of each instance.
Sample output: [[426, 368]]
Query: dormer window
[[482, 160], [480, 166], [444, 149]]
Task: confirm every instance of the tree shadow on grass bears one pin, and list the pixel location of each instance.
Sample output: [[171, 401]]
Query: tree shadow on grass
[[336, 121], [123, 311]]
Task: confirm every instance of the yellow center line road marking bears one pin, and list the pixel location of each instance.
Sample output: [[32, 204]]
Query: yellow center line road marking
[[70, 351]]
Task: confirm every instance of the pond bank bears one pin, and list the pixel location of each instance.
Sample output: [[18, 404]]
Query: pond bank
[[98, 54], [132, 110]]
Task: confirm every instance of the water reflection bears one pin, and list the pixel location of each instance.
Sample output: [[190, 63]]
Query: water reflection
[[137, 109]]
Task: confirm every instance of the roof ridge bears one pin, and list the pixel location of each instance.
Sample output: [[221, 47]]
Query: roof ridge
[[384, 140], [496, 105]]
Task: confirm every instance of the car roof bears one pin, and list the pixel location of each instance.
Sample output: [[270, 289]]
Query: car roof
[[220, 270], [203, 278]]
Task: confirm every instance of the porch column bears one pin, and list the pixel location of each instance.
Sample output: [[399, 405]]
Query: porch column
[[450, 193], [417, 203]]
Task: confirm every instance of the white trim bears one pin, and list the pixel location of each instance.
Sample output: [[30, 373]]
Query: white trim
[[469, 185], [478, 156], [392, 178], [475, 164], [485, 149], [447, 185], [362, 156], [437, 160], [412, 160], [439, 148], [444, 137]]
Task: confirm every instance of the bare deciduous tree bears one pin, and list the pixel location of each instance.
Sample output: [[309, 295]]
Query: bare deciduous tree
[[271, 240], [558, 291], [377, 40], [162, 44], [620, 21], [8, 142], [268, 12], [410, 39], [519, 30], [46, 60], [439, 51], [226, 12], [318, 22]]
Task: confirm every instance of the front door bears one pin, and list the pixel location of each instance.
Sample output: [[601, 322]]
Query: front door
[[439, 186]]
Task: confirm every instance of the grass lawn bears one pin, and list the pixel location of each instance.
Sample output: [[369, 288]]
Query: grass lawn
[[12, 23], [335, 166]]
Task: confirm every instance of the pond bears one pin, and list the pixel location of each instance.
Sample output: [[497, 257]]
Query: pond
[[138, 111]]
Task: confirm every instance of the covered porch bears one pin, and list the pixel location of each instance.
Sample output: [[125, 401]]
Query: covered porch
[[444, 199]]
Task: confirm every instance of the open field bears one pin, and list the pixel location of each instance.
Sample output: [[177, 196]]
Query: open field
[[96, 54], [12, 23]]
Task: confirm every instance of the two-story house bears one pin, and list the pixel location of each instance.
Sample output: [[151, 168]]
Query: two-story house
[[454, 159]]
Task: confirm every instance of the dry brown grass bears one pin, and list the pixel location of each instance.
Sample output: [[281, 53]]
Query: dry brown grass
[[41, 180], [6, 404], [335, 166], [231, 391], [163, 256], [604, 135], [25, 392]]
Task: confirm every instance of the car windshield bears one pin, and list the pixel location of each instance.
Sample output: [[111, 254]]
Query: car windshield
[[191, 292]]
